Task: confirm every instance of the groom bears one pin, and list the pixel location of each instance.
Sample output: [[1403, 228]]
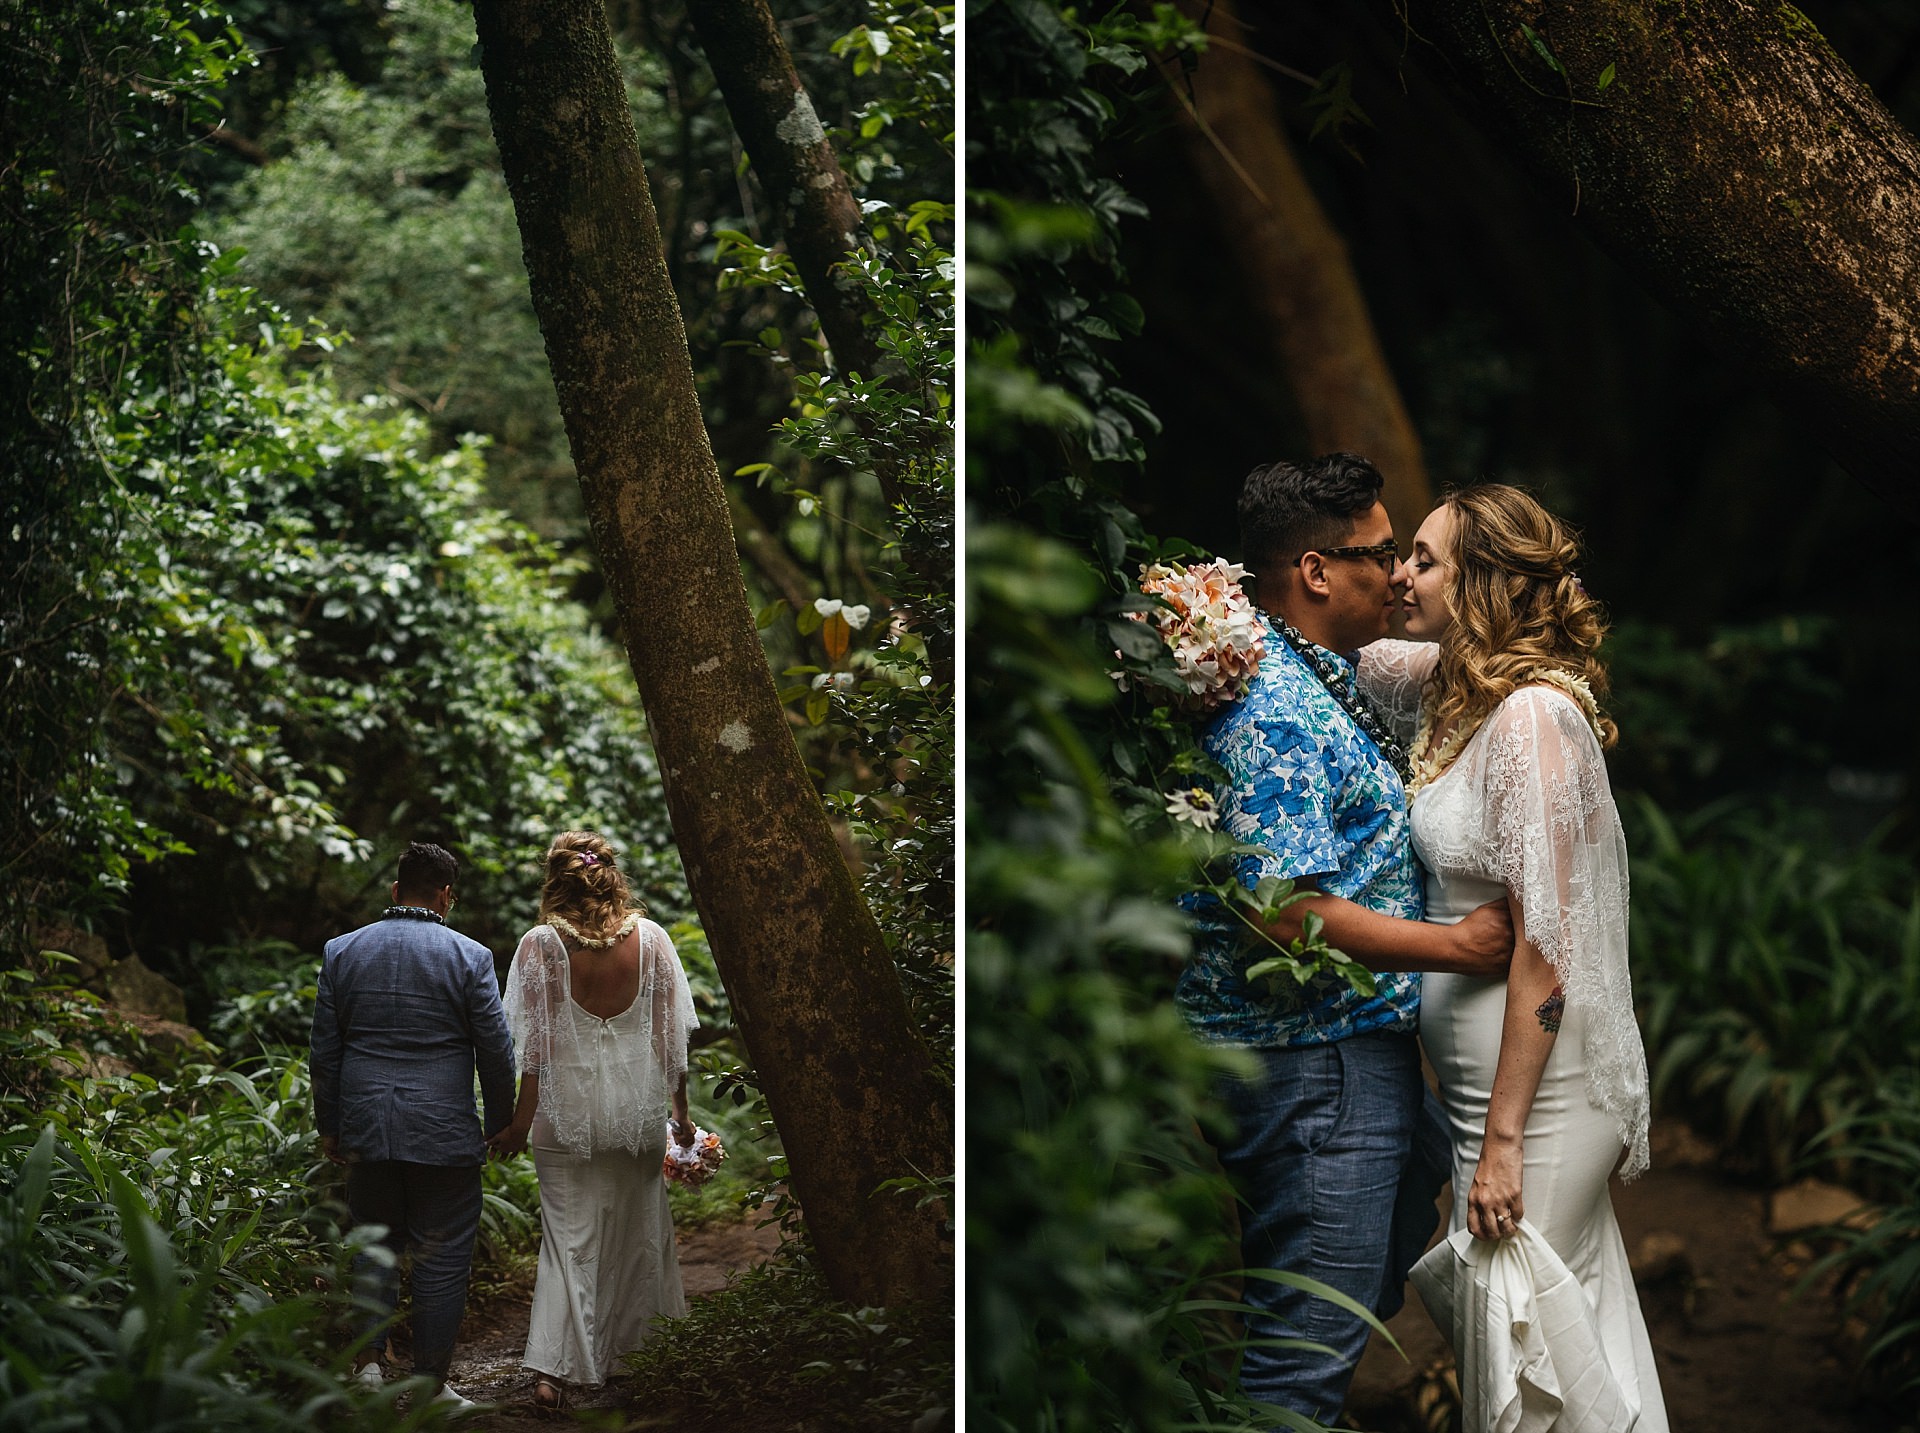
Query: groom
[[1339, 1150], [407, 1011]]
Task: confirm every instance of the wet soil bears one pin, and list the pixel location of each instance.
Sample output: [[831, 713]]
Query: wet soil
[[1737, 1352]]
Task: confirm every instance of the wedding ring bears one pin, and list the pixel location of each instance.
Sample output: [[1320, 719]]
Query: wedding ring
[[1506, 1218]]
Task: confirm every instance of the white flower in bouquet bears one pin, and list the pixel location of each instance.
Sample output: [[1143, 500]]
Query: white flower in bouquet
[[692, 1164], [1212, 628]]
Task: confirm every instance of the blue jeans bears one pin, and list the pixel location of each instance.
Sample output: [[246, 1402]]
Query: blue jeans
[[1339, 1157], [435, 1209]]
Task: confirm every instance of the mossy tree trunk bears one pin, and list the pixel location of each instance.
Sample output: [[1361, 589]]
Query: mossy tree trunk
[[850, 1085], [813, 205], [1294, 266], [1737, 165]]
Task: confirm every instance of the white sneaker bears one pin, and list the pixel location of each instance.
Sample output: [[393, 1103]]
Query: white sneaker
[[453, 1402], [369, 1374]]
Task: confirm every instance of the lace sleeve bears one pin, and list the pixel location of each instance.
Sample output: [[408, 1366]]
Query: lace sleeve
[[672, 1001], [1555, 835], [1391, 677], [535, 999]]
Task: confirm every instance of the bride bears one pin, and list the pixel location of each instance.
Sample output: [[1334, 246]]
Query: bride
[[1542, 1073], [600, 1013]]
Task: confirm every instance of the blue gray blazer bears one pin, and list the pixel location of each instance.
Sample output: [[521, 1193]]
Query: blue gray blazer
[[408, 1010]]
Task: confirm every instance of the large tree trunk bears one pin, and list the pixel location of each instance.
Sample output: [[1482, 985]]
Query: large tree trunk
[[1294, 265], [1742, 171], [851, 1087]]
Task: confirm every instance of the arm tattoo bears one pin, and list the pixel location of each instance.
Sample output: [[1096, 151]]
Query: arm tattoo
[[1551, 1009]]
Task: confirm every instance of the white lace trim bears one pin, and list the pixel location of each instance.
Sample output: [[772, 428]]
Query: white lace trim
[[604, 1084], [1527, 803]]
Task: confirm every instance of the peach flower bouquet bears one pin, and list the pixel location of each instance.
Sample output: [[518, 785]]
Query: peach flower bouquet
[[692, 1164], [1212, 629]]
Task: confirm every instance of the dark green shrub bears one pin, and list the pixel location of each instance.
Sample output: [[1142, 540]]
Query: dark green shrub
[[1778, 975], [1879, 1263], [773, 1349], [113, 1323]]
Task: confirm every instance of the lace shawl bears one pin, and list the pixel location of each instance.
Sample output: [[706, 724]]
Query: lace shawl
[[1391, 674], [604, 1084], [1527, 804]]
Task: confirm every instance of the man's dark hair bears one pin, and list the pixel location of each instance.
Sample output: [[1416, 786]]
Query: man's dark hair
[[425, 868], [1290, 508]]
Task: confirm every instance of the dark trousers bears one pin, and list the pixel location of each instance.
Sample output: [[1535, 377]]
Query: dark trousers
[[1339, 1156], [434, 1211]]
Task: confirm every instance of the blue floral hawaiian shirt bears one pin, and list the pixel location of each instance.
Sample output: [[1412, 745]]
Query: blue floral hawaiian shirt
[[1310, 788]]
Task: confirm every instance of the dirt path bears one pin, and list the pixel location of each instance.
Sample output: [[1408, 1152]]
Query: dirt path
[[1736, 1353], [486, 1366]]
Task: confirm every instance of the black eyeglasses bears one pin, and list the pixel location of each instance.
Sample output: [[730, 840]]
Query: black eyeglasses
[[1385, 553]]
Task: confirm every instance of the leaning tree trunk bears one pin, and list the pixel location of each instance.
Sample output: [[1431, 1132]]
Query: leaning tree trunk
[[1293, 265], [850, 1085], [815, 212], [1737, 165], [813, 205]]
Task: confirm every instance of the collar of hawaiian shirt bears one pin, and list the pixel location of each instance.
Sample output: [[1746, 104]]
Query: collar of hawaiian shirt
[[1346, 666]]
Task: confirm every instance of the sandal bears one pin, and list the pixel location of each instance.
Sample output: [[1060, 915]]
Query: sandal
[[549, 1398]]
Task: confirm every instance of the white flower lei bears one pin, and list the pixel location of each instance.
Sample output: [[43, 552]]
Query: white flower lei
[[1429, 763], [566, 928]]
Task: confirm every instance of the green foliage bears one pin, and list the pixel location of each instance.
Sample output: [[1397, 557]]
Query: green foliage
[[1095, 1207], [1703, 718], [326, 643], [169, 1260], [97, 273], [903, 132], [110, 1324], [257, 622], [384, 215], [1778, 978], [509, 1242], [1879, 1261], [774, 1349]]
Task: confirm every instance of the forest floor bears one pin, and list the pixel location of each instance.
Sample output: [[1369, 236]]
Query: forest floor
[[486, 1365], [1737, 1352]]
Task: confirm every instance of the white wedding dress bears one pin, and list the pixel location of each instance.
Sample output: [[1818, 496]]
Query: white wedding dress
[[608, 1265], [1546, 1326]]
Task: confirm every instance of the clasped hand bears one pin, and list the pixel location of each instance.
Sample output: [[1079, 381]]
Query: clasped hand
[[1494, 1210], [508, 1141]]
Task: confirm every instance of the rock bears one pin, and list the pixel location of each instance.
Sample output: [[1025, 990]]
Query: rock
[[83, 945], [1661, 1255], [131, 986], [95, 1067], [1812, 1203], [167, 1037]]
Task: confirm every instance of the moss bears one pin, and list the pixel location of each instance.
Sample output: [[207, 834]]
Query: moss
[[1798, 29], [1794, 24]]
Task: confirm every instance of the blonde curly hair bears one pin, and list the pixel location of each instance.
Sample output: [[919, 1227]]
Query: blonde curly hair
[[584, 885], [1517, 606]]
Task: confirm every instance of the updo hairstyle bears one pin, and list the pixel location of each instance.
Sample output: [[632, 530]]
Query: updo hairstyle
[[584, 885], [1517, 605]]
